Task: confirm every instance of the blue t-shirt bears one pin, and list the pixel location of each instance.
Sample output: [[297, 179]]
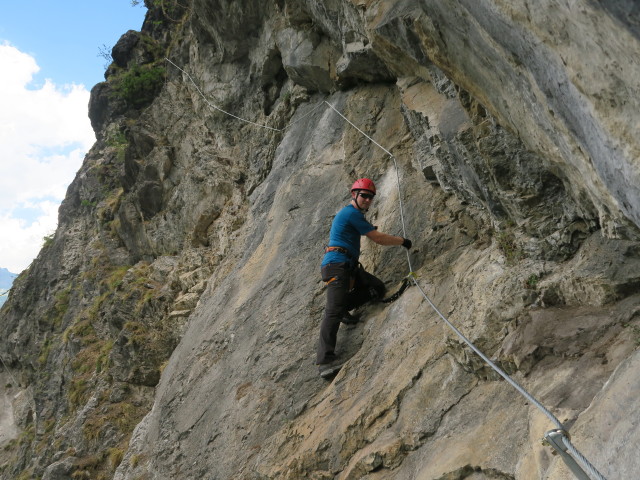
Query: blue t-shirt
[[348, 226]]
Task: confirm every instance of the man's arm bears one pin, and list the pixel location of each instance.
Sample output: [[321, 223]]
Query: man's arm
[[384, 238]]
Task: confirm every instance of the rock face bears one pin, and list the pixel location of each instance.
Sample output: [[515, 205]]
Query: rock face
[[169, 329]]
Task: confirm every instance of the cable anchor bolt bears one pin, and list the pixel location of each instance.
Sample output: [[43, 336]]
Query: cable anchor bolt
[[553, 439], [549, 440]]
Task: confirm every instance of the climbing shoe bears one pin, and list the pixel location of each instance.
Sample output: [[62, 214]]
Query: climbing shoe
[[328, 370], [349, 319]]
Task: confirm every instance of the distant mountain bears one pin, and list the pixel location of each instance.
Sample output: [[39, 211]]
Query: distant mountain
[[6, 280]]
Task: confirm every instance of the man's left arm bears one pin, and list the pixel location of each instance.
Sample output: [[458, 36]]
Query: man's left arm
[[385, 239]]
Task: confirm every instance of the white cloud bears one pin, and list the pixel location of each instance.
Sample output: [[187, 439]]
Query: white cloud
[[44, 134], [21, 240]]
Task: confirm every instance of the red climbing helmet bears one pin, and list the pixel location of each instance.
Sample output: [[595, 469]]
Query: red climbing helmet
[[364, 184]]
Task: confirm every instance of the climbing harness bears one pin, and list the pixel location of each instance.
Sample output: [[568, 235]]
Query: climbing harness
[[338, 249], [557, 438]]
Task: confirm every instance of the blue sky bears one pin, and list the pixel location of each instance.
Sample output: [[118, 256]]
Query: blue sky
[[65, 36], [49, 61]]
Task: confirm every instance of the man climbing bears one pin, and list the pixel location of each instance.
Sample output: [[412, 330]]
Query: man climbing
[[348, 285]]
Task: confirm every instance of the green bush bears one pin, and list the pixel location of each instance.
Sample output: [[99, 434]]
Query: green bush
[[47, 240], [139, 85], [532, 281], [508, 244]]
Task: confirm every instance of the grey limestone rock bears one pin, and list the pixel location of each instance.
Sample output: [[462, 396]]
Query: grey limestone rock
[[168, 329]]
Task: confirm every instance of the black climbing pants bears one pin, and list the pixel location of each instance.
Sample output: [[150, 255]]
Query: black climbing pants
[[347, 288]]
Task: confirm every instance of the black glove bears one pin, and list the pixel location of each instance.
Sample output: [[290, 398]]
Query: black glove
[[406, 243]]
